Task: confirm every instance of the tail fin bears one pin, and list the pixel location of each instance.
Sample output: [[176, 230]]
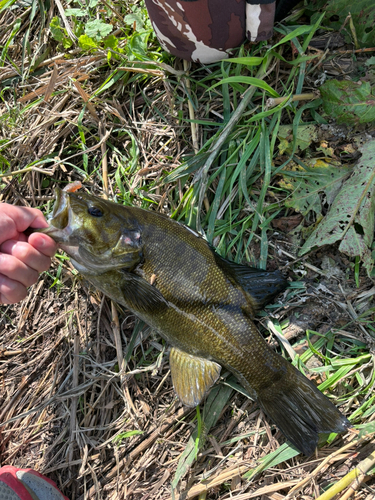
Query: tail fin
[[300, 410]]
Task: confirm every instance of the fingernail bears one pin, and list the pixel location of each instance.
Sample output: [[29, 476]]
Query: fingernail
[[41, 242]]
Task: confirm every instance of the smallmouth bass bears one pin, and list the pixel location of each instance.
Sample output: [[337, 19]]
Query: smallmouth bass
[[200, 303]]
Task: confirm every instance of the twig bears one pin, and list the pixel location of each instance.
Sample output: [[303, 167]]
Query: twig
[[143, 446], [116, 13], [352, 478], [65, 21], [146, 71], [28, 169], [86, 100], [51, 83], [103, 137], [283, 340], [73, 408], [357, 51], [354, 486], [193, 125], [275, 101], [47, 62], [116, 333], [327, 461]]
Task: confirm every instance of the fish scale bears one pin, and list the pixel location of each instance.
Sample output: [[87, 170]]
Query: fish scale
[[200, 303]]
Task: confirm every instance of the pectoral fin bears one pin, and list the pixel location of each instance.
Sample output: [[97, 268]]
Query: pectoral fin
[[192, 376], [140, 295]]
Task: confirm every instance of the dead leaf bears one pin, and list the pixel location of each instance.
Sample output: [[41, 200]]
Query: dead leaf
[[286, 224]]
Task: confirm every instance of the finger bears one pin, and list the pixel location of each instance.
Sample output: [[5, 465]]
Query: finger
[[11, 291], [43, 243], [27, 254], [15, 220], [39, 219], [22, 237], [16, 270]]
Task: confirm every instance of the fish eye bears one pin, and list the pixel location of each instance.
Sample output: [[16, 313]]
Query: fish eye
[[95, 212]]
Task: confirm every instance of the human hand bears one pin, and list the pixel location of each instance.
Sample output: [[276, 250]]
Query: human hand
[[22, 257]]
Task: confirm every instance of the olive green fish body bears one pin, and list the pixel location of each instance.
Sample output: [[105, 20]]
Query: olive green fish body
[[200, 303], [206, 314]]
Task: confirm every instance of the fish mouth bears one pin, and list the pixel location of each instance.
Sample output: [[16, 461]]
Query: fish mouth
[[60, 220]]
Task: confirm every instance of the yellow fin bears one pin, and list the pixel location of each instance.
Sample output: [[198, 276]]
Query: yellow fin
[[192, 376]]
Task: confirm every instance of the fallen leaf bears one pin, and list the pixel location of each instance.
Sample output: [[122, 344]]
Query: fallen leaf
[[348, 102], [351, 216], [309, 183], [286, 224], [306, 134], [362, 13]]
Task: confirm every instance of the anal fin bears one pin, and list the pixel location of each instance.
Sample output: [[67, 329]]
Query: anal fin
[[192, 376]]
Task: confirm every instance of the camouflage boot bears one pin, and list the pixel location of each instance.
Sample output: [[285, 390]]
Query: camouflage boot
[[206, 30]]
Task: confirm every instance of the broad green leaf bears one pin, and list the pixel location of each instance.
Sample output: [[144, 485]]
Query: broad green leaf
[[308, 186], [348, 102], [306, 134], [137, 45], [56, 30], [111, 42], [337, 11], [354, 244], [351, 216], [75, 12], [134, 18], [370, 61], [59, 33], [87, 43], [97, 29]]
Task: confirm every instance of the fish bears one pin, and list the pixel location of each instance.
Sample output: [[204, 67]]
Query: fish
[[202, 304]]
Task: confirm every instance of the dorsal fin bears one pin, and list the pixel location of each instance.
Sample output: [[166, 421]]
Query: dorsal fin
[[262, 286]]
